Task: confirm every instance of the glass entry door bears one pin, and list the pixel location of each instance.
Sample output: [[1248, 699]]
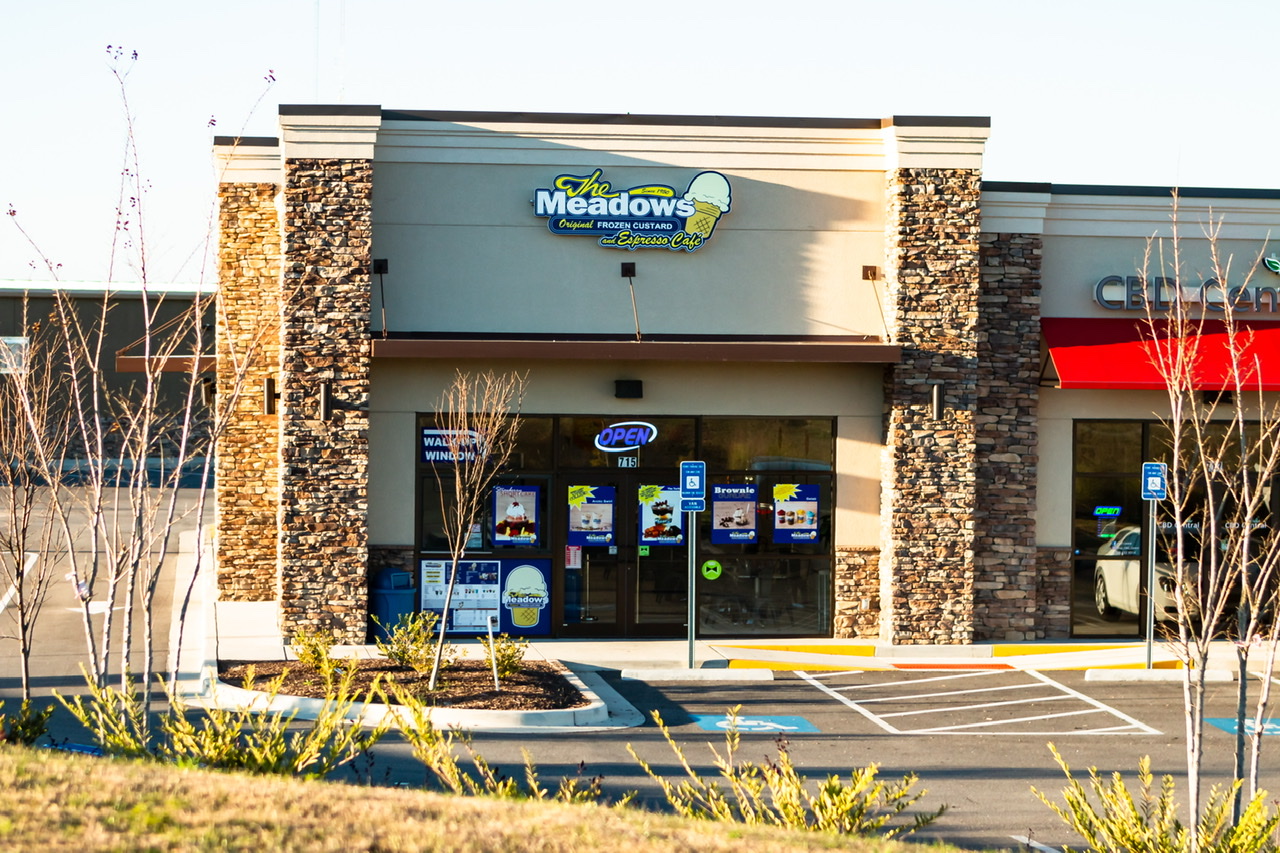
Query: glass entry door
[[626, 560]]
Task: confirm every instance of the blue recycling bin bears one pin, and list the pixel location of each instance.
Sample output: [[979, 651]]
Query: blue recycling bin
[[390, 595]]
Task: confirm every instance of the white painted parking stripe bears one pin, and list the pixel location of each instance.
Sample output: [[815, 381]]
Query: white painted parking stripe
[[984, 727], [907, 681], [1047, 680], [989, 723], [950, 693], [941, 708], [1034, 845]]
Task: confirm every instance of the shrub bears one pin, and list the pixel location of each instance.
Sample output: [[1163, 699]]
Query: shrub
[[507, 652], [775, 794], [314, 649], [437, 750], [26, 726], [411, 642], [1150, 823]]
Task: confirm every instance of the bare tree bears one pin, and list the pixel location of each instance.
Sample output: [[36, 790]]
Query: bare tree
[[479, 418], [1219, 527], [29, 556]]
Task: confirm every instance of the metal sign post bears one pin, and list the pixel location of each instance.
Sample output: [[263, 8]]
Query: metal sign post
[[1155, 479], [693, 493]]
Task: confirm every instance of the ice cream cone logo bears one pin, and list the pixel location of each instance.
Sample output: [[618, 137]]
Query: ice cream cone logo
[[710, 194], [525, 594]]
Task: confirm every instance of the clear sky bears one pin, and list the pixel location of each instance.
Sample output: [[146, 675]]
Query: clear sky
[[1140, 92]]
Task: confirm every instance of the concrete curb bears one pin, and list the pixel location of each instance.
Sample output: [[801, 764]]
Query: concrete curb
[[1212, 676], [218, 694], [697, 675]]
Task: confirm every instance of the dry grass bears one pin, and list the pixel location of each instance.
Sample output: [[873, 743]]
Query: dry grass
[[53, 801]]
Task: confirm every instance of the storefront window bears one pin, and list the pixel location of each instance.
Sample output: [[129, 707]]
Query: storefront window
[[666, 441], [767, 444]]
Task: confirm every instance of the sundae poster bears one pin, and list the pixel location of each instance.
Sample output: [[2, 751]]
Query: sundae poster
[[591, 515], [795, 513], [651, 216], [659, 520], [515, 515], [733, 515]]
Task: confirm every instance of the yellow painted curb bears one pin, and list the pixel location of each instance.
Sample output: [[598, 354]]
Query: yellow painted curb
[[849, 650]]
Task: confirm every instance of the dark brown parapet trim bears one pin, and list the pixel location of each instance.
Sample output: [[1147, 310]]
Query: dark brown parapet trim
[[1121, 190], [813, 352], [169, 364], [256, 141], [330, 110], [463, 116]]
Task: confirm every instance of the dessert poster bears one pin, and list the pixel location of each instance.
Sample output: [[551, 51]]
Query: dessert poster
[[733, 514], [526, 598], [795, 513], [515, 515], [659, 517], [591, 515]]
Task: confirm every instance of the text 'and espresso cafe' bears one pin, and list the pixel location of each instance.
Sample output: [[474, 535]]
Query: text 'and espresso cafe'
[[923, 400]]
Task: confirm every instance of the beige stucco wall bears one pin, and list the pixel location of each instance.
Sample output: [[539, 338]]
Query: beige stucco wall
[[850, 393], [468, 254]]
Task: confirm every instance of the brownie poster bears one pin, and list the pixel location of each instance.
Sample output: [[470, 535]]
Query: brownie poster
[[659, 519], [795, 513], [515, 515], [733, 514], [591, 515]]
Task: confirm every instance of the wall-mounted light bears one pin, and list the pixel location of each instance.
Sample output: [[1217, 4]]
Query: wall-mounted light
[[208, 392], [870, 273], [629, 273], [379, 269], [269, 395], [628, 389], [937, 401], [326, 401]]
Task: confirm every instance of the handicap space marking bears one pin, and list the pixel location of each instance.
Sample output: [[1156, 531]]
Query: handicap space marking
[[756, 725], [1228, 725]]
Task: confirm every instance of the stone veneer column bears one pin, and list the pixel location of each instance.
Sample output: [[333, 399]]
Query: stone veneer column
[[1007, 600], [247, 487], [325, 340], [928, 515]]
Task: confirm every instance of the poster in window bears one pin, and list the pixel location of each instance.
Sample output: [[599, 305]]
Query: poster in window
[[659, 520], [795, 513], [475, 593], [733, 514], [515, 515], [591, 515]]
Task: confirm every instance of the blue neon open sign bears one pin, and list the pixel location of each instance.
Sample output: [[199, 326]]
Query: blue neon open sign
[[625, 435]]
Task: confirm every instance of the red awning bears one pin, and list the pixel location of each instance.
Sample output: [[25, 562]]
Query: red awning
[[1090, 352]]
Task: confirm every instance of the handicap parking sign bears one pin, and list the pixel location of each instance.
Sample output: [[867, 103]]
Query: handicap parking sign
[[748, 725]]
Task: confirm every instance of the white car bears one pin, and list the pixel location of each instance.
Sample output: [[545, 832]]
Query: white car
[[1118, 574]]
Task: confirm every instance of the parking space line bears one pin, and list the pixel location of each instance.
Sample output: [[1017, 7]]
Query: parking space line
[[951, 693], [904, 681], [988, 723], [974, 707], [901, 692], [1130, 720]]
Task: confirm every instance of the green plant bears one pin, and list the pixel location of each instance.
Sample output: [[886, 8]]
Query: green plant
[[438, 752], [1119, 822], [507, 652], [411, 642], [314, 649], [262, 742], [775, 794], [117, 718], [26, 726]]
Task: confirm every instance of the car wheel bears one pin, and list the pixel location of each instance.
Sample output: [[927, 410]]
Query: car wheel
[[1100, 599]]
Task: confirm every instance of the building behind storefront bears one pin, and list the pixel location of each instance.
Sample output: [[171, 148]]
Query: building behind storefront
[[843, 321]]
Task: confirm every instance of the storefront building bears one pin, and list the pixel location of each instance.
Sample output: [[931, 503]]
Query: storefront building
[[837, 316]]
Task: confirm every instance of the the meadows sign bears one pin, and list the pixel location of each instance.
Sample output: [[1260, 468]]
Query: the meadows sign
[[651, 216]]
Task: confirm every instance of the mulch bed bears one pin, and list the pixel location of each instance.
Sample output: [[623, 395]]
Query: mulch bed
[[539, 686]]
